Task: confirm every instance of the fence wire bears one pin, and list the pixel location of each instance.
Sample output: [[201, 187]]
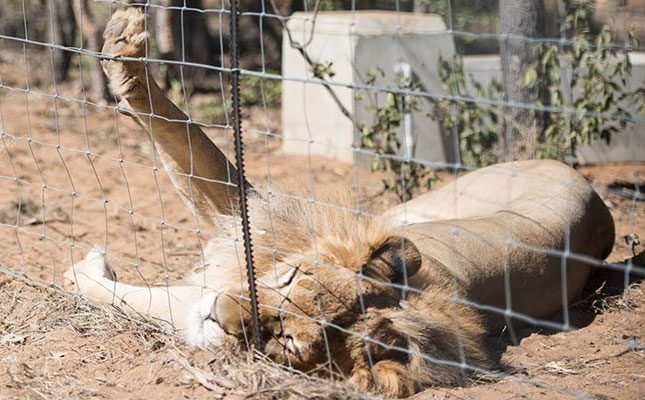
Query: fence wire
[[78, 177]]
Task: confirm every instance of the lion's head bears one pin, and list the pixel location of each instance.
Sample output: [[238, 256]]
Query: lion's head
[[308, 303]]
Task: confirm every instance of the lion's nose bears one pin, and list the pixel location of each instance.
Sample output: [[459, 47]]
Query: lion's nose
[[231, 313]]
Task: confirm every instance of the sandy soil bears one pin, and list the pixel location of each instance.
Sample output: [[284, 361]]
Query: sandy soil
[[74, 174]]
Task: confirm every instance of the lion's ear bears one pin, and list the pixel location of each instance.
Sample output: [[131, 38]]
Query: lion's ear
[[394, 259]]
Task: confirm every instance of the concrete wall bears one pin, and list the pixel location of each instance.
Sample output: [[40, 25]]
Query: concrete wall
[[421, 53], [311, 121]]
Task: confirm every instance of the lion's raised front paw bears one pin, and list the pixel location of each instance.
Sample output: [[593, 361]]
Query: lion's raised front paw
[[125, 36], [93, 267]]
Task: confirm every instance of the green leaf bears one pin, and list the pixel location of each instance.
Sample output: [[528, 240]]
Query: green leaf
[[530, 76]]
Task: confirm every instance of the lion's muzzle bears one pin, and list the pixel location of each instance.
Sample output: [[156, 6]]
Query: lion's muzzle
[[232, 313]]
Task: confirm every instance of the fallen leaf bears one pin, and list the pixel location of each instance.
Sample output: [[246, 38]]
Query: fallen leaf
[[12, 338], [100, 376]]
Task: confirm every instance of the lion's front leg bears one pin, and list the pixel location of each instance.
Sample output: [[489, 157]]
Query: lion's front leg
[[428, 340], [388, 378], [377, 365], [94, 279], [200, 171], [185, 308]]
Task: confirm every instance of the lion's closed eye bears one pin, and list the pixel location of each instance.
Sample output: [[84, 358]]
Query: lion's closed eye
[[282, 276], [287, 278]]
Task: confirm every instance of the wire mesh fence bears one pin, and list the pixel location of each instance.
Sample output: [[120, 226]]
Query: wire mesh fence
[[404, 225]]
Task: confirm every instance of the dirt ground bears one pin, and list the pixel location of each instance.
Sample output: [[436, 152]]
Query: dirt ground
[[74, 174]]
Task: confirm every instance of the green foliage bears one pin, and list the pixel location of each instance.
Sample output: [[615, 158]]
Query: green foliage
[[381, 137], [327, 5], [477, 124], [323, 70], [599, 102], [479, 127], [84, 62], [464, 15], [462, 12], [255, 90], [209, 110], [584, 86]]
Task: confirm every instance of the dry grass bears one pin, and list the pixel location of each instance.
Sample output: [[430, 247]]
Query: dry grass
[[631, 298], [55, 345]]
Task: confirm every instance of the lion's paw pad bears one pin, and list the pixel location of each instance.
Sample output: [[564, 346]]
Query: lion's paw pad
[[125, 34]]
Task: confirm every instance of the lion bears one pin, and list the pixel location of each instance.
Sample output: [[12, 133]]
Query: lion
[[395, 302]]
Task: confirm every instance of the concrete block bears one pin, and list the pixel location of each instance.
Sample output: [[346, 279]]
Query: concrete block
[[353, 42]]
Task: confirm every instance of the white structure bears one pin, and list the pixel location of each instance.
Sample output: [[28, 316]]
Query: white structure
[[312, 123]]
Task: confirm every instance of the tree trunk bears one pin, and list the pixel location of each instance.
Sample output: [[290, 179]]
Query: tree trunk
[[61, 32], [182, 35], [520, 22], [91, 40]]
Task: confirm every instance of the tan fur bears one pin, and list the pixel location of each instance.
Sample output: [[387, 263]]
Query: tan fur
[[384, 301]]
